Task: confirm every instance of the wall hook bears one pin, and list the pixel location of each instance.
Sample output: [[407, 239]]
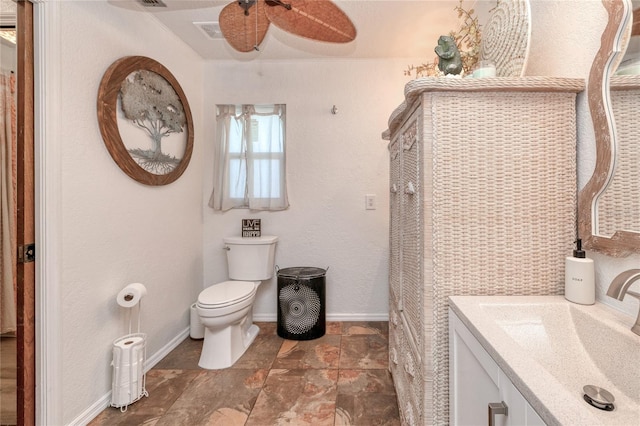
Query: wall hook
[[334, 110]]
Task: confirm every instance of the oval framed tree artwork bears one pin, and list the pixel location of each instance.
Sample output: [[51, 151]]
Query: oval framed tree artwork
[[145, 120]]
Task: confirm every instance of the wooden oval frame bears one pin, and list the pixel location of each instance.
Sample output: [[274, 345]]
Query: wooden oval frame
[[107, 118]]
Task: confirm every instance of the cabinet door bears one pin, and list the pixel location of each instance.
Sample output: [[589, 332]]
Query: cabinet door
[[474, 378], [395, 227], [412, 228]]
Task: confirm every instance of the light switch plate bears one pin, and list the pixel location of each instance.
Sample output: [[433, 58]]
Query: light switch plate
[[370, 201]]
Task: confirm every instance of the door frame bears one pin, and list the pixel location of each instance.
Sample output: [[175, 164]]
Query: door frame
[[25, 272], [42, 399]]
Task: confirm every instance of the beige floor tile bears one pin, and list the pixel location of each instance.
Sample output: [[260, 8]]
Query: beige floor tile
[[215, 395], [164, 388], [296, 397], [369, 351], [323, 352]]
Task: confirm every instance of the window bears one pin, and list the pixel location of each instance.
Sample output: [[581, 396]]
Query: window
[[250, 158]]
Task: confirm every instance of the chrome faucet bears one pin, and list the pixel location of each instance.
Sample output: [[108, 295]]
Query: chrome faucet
[[619, 287]]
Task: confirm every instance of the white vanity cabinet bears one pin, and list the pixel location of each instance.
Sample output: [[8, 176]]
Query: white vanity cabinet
[[475, 381]]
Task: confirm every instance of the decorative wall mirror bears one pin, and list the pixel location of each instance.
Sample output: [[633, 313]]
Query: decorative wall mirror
[[145, 120], [609, 204]]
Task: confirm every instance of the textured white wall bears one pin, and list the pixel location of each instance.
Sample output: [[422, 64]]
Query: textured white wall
[[115, 230], [332, 162]]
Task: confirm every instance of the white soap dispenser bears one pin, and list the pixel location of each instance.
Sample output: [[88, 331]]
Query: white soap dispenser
[[579, 277]]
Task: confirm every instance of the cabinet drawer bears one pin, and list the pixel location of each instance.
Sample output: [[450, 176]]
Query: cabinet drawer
[[406, 370]]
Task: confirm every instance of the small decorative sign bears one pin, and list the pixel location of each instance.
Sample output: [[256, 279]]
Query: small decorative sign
[[250, 227]]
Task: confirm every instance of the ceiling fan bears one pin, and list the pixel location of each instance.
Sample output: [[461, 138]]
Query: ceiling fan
[[244, 23]]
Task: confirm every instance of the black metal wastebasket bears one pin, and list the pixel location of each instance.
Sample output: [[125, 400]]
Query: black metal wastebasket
[[301, 303]]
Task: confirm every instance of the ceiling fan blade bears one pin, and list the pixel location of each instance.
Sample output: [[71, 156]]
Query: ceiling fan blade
[[315, 19], [244, 31]]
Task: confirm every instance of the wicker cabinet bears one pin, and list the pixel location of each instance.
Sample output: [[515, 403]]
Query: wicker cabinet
[[482, 201]]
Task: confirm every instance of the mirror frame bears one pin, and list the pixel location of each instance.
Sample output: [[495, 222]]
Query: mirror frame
[[613, 42]]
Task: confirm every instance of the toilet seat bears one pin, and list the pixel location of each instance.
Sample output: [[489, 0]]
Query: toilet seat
[[226, 293]]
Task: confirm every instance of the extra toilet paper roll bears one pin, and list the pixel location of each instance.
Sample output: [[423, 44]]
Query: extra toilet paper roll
[[130, 350], [130, 295], [128, 359], [128, 369]]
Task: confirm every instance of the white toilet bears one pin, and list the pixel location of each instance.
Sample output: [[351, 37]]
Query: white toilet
[[226, 308]]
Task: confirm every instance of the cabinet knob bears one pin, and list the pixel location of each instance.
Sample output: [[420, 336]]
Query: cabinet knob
[[394, 318], [496, 408], [410, 369], [394, 356], [410, 189]]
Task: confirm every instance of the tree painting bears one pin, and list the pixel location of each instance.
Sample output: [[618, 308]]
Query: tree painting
[[151, 104]]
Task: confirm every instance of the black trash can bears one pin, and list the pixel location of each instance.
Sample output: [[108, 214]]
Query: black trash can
[[301, 303]]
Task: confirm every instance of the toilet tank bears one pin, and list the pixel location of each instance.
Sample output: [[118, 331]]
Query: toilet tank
[[251, 259]]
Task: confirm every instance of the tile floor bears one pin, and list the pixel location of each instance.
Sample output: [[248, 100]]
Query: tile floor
[[338, 379], [8, 381]]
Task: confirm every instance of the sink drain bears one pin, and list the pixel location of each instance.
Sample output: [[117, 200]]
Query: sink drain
[[598, 397]]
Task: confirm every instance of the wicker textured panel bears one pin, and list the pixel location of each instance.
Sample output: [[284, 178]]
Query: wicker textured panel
[[408, 376], [244, 32], [618, 206], [315, 19], [504, 202], [395, 290], [505, 37], [429, 341], [397, 346], [415, 88], [497, 215], [413, 369], [395, 336], [412, 234]]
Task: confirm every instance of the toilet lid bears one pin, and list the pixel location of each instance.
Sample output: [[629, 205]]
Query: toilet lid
[[226, 293]]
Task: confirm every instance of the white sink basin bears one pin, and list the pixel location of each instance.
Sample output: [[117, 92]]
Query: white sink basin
[[551, 348]]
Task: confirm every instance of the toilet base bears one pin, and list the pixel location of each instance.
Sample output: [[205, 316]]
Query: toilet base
[[223, 347]]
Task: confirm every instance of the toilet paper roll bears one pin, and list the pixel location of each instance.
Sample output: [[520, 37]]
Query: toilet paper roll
[[130, 295], [130, 350]]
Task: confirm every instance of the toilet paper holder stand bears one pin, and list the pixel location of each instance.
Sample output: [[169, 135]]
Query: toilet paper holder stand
[[129, 359]]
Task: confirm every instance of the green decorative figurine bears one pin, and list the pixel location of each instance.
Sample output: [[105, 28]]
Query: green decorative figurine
[[449, 56]]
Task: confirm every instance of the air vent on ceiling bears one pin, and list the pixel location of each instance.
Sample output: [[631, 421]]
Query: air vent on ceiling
[[210, 29], [152, 3]]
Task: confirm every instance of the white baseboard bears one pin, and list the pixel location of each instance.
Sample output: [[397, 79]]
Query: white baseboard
[[330, 317], [105, 401], [92, 412], [358, 317]]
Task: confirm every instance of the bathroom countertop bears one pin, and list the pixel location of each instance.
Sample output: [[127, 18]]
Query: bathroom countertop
[[552, 378]]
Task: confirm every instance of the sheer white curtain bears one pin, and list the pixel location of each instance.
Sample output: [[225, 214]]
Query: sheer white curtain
[[250, 168], [8, 203]]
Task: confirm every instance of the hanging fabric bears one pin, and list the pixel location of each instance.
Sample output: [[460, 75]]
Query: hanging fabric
[[250, 167], [8, 202]]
